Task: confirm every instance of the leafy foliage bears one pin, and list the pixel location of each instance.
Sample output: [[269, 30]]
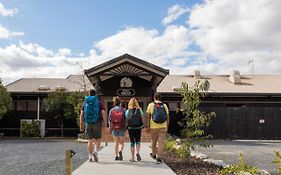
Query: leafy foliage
[[30, 129], [64, 105], [5, 100], [277, 161], [184, 150], [195, 120], [241, 168], [169, 146]]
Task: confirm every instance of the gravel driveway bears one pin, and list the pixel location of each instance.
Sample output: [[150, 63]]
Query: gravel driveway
[[38, 156], [257, 153]]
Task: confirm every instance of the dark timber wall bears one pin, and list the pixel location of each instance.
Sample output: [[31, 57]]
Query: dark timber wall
[[241, 117], [253, 121]]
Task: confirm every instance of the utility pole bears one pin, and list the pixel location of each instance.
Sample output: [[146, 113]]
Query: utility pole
[[252, 70]]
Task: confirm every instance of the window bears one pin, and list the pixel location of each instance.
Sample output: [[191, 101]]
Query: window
[[32, 105], [21, 105], [24, 105]]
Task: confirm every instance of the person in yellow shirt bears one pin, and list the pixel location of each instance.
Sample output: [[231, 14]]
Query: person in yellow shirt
[[157, 124]]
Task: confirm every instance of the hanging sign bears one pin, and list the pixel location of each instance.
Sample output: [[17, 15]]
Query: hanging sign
[[126, 92], [125, 87]]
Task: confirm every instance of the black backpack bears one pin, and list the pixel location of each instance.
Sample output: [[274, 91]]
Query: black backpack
[[134, 118]]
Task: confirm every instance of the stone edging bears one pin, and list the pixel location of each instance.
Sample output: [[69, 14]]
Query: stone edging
[[220, 163]]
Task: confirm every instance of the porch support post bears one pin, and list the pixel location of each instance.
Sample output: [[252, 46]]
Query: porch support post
[[97, 86], [38, 108], [154, 86]]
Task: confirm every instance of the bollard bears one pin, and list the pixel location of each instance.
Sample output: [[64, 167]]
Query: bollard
[[68, 161]]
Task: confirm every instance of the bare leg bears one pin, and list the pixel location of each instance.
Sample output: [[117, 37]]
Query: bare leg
[[97, 145], [90, 146], [117, 140], [133, 153], [138, 148], [121, 141]]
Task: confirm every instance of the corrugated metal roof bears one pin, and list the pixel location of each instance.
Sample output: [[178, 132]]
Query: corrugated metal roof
[[71, 83], [221, 83], [218, 84]]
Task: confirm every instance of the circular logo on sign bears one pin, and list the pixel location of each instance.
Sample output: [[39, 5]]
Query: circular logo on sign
[[126, 82]]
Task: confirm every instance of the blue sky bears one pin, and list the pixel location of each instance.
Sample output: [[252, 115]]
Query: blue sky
[[213, 36], [76, 24]]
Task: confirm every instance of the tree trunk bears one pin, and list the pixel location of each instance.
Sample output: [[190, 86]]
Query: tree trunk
[[61, 128], [60, 123]]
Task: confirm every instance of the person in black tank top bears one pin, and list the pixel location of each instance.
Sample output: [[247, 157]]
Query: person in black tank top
[[134, 119]]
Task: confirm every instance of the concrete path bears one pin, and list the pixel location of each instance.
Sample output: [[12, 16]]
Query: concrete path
[[108, 166]]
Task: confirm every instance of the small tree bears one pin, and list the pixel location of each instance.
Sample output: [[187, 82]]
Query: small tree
[[195, 121], [63, 105], [5, 100], [76, 99]]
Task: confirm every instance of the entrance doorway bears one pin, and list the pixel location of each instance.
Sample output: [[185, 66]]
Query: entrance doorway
[[108, 104]]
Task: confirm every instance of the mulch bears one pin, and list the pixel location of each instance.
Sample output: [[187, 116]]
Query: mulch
[[190, 166]]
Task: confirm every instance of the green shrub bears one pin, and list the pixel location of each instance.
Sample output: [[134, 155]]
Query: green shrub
[[169, 145], [184, 150], [83, 136], [30, 129], [277, 161], [241, 168]]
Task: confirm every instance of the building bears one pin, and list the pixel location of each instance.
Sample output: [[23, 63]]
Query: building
[[246, 107]]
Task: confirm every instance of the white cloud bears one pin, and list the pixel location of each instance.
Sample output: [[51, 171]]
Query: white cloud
[[33, 60], [36, 50], [7, 12], [235, 31], [64, 52], [228, 32], [30, 59], [147, 44], [174, 13], [6, 34]]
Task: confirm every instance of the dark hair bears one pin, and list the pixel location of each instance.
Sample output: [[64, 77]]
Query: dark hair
[[92, 92], [116, 100], [157, 96]]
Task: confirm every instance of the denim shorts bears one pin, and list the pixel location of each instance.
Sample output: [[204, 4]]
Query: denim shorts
[[118, 133]]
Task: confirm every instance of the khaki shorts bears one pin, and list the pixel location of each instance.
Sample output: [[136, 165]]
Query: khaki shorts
[[93, 130]]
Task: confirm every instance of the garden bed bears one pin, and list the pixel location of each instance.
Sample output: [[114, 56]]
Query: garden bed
[[191, 166]]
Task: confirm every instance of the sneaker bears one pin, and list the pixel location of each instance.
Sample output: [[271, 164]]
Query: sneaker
[[95, 155], [153, 156], [159, 161], [131, 160], [138, 157], [116, 158], [90, 160], [120, 155]]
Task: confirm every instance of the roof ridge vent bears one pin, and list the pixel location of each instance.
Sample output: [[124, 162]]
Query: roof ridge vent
[[60, 87], [235, 77], [43, 88], [197, 74]]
